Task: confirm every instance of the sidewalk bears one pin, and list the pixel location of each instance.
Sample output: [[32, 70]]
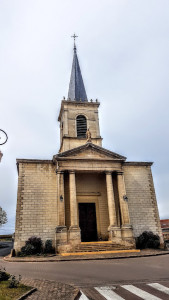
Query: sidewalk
[[48, 289], [91, 256]]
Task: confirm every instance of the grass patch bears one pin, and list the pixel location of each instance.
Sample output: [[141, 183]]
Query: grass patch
[[7, 293]]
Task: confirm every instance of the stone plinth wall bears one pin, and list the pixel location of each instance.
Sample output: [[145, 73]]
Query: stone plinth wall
[[141, 199], [37, 202]]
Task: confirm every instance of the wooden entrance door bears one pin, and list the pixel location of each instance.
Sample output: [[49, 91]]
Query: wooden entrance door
[[87, 222]]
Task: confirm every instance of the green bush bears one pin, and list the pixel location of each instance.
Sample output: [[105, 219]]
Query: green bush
[[36, 242], [4, 276], [13, 282], [48, 247], [28, 250], [32, 246], [148, 240]]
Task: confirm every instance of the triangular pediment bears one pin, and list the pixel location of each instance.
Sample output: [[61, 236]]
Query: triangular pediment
[[90, 151]]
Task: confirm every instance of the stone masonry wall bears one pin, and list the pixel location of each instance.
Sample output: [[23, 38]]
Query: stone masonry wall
[[36, 212], [68, 131], [142, 202]]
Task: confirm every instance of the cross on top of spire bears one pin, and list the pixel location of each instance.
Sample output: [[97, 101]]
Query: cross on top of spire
[[74, 37]]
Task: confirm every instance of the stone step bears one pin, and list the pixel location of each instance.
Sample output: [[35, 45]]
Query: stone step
[[96, 247], [99, 248]]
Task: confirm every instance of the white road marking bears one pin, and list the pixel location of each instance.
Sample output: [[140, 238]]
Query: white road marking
[[159, 287], [142, 294], [83, 297], [107, 293]]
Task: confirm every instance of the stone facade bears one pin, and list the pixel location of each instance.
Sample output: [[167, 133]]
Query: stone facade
[[49, 193]]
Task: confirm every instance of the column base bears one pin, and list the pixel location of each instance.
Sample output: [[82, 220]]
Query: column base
[[61, 239], [114, 234], [127, 235], [74, 235]]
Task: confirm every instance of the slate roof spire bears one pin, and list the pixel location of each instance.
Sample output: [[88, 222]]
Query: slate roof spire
[[77, 90]]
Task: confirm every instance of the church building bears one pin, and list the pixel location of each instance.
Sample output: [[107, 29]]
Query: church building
[[85, 193]]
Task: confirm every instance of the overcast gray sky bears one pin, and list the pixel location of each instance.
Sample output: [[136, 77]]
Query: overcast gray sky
[[123, 49]]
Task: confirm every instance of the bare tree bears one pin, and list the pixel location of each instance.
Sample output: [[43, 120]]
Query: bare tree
[[3, 217]]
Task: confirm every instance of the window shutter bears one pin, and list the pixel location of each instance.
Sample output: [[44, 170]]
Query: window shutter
[[81, 124]]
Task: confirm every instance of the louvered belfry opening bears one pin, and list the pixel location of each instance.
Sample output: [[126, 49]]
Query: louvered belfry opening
[[81, 124]]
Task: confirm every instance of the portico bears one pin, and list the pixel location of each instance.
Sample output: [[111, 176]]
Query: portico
[[98, 181]]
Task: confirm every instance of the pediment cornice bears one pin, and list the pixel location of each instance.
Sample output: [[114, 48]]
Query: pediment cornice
[[89, 151]]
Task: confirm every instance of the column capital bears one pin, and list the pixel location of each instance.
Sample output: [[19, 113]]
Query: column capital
[[119, 172], [71, 171], [108, 172], [59, 172]]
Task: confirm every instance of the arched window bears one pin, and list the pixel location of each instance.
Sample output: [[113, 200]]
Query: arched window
[[81, 126]]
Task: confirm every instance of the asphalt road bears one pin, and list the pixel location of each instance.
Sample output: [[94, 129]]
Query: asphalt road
[[128, 279], [5, 248], [95, 273]]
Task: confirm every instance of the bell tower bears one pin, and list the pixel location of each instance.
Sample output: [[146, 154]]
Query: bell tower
[[77, 114]]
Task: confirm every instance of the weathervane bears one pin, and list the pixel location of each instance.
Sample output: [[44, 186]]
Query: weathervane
[[74, 37]]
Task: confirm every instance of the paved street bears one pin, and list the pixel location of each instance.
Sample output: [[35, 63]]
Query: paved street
[[150, 291], [130, 278], [95, 273], [5, 248]]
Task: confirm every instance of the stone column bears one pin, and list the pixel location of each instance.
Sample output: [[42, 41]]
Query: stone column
[[126, 229], [110, 198], [114, 230], [73, 200], [61, 198], [74, 230], [61, 229]]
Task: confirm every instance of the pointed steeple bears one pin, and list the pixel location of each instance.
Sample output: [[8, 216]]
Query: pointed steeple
[[76, 86]]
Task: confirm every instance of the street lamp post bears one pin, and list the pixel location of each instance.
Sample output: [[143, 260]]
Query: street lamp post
[[3, 140]]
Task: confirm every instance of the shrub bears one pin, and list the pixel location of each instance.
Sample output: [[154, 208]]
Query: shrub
[[13, 282], [20, 253], [148, 240], [32, 246], [4, 276], [27, 250], [48, 247], [36, 242]]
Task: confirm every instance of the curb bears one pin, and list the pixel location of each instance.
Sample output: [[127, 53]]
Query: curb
[[60, 259], [24, 296]]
